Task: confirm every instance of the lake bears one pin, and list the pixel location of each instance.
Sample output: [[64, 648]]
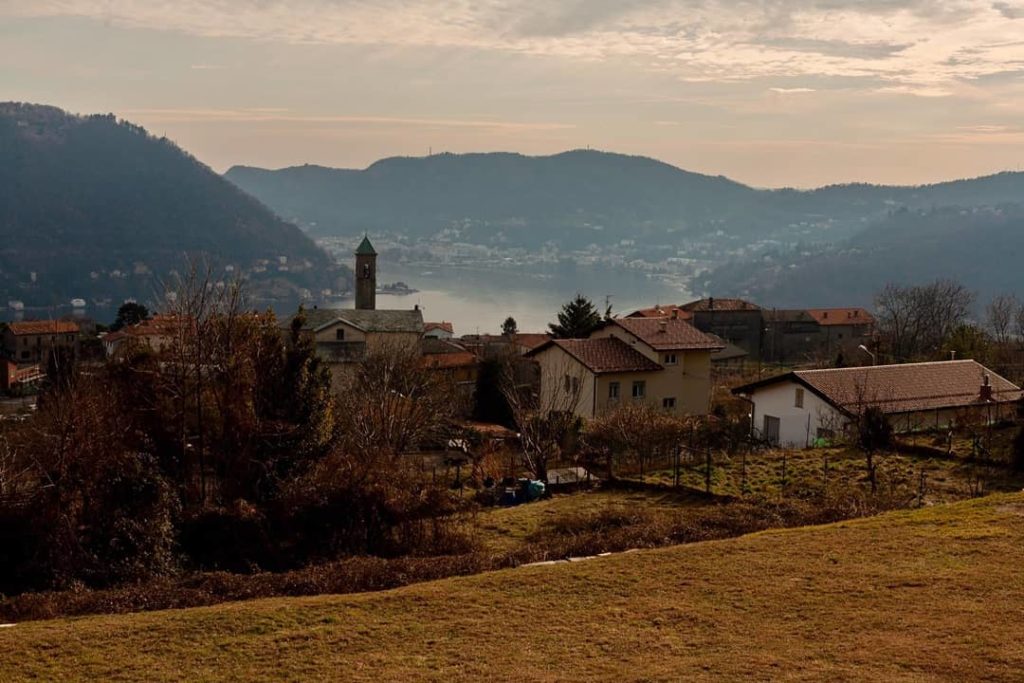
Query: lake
[[475, 300]]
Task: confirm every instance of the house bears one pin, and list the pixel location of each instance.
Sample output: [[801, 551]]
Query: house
[[492, 345], [461, 366], [681, 349], [807, 335], [155, 334], [663, 361], [31, 341], [441, 330], [736, 321], [591, 376], [797, 408]]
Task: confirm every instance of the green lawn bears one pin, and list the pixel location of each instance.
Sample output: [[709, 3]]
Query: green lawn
[[918, 595]]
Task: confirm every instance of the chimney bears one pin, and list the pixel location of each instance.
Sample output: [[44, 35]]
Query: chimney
[[662, 326], [711, 303], [985, 395], [415, 307]]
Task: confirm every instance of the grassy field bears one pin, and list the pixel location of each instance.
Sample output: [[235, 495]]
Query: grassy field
[[928, 594]]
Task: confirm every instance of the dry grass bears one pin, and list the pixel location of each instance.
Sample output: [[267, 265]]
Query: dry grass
[[506, 529], [922, 595]]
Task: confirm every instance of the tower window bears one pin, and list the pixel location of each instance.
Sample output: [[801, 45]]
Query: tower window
[[339, 334]]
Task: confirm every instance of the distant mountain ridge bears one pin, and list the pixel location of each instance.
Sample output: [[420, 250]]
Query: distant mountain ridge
[[95, 207], [579, 197]]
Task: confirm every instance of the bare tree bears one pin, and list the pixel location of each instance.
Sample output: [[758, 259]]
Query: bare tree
[[916, 321], [637, 431], [546, 419], [392, 402], [999, 316]]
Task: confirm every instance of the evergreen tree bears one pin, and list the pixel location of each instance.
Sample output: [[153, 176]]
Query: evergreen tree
[[509, 328], [130, 313], [577, 319]]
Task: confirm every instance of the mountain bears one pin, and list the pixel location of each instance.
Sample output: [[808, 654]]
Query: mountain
[[94, 207], [574, 197], [582, 197], [980, 247]]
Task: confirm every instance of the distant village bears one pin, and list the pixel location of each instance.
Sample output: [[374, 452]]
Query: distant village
[[804, 374]]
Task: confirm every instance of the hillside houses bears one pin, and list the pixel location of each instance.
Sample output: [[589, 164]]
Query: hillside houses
[[783, 336]]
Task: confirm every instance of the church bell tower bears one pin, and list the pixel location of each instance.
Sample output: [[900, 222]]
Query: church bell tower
[[366, 276]]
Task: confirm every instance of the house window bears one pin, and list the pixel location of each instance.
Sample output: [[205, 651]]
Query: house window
[[670, 359], [668, 403], [639, 390], [613, 391], [339, 334], [798, 401]]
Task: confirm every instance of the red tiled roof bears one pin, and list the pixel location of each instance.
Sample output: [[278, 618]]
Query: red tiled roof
[[43, 327], [443, 325], [902, 388], [668, 334], [531, 340], [457, 359], [841, 316], [603, 355], [661, 312], [716, 304]]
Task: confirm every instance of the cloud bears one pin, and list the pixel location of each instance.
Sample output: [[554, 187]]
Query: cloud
[[1009, 11], [918, 47], [279, 115]]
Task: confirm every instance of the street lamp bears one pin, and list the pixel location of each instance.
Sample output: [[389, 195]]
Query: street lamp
[[868, 351]]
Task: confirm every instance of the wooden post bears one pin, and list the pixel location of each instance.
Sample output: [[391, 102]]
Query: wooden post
[[707, 471], [782, 482]]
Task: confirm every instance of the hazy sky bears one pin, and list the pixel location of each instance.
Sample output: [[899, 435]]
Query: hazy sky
[[776, 92]]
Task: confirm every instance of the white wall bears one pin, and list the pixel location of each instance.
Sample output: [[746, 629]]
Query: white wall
[[798, 427]]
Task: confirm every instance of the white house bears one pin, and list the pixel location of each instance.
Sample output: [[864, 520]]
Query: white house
[[799, 407]]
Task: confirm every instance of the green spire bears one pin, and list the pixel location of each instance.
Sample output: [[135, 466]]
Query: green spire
[[365, 248]]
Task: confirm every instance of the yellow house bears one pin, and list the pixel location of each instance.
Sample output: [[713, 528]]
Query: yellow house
[[663, 362], [682, 351]]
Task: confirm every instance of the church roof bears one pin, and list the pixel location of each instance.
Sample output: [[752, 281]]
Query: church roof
[[367, 321], [365, 248]]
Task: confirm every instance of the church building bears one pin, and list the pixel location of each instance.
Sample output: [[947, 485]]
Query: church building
[[344, 336]]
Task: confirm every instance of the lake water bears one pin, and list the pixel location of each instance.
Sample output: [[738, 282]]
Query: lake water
[[477, 301]]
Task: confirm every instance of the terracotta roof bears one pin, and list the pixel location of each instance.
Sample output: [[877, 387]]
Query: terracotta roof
[[531, 340], [901, 388], [602, 355], [661, 312], [841, 316], [667, 334], [443, 325], [714, 304], [43, 327], [455, 359]]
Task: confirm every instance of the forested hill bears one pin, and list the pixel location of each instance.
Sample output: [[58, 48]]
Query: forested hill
[[980, 247], [96, 207], [579, 196], [582, 197]]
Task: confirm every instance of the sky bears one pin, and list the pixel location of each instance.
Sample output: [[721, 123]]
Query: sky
[[773, 93]]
